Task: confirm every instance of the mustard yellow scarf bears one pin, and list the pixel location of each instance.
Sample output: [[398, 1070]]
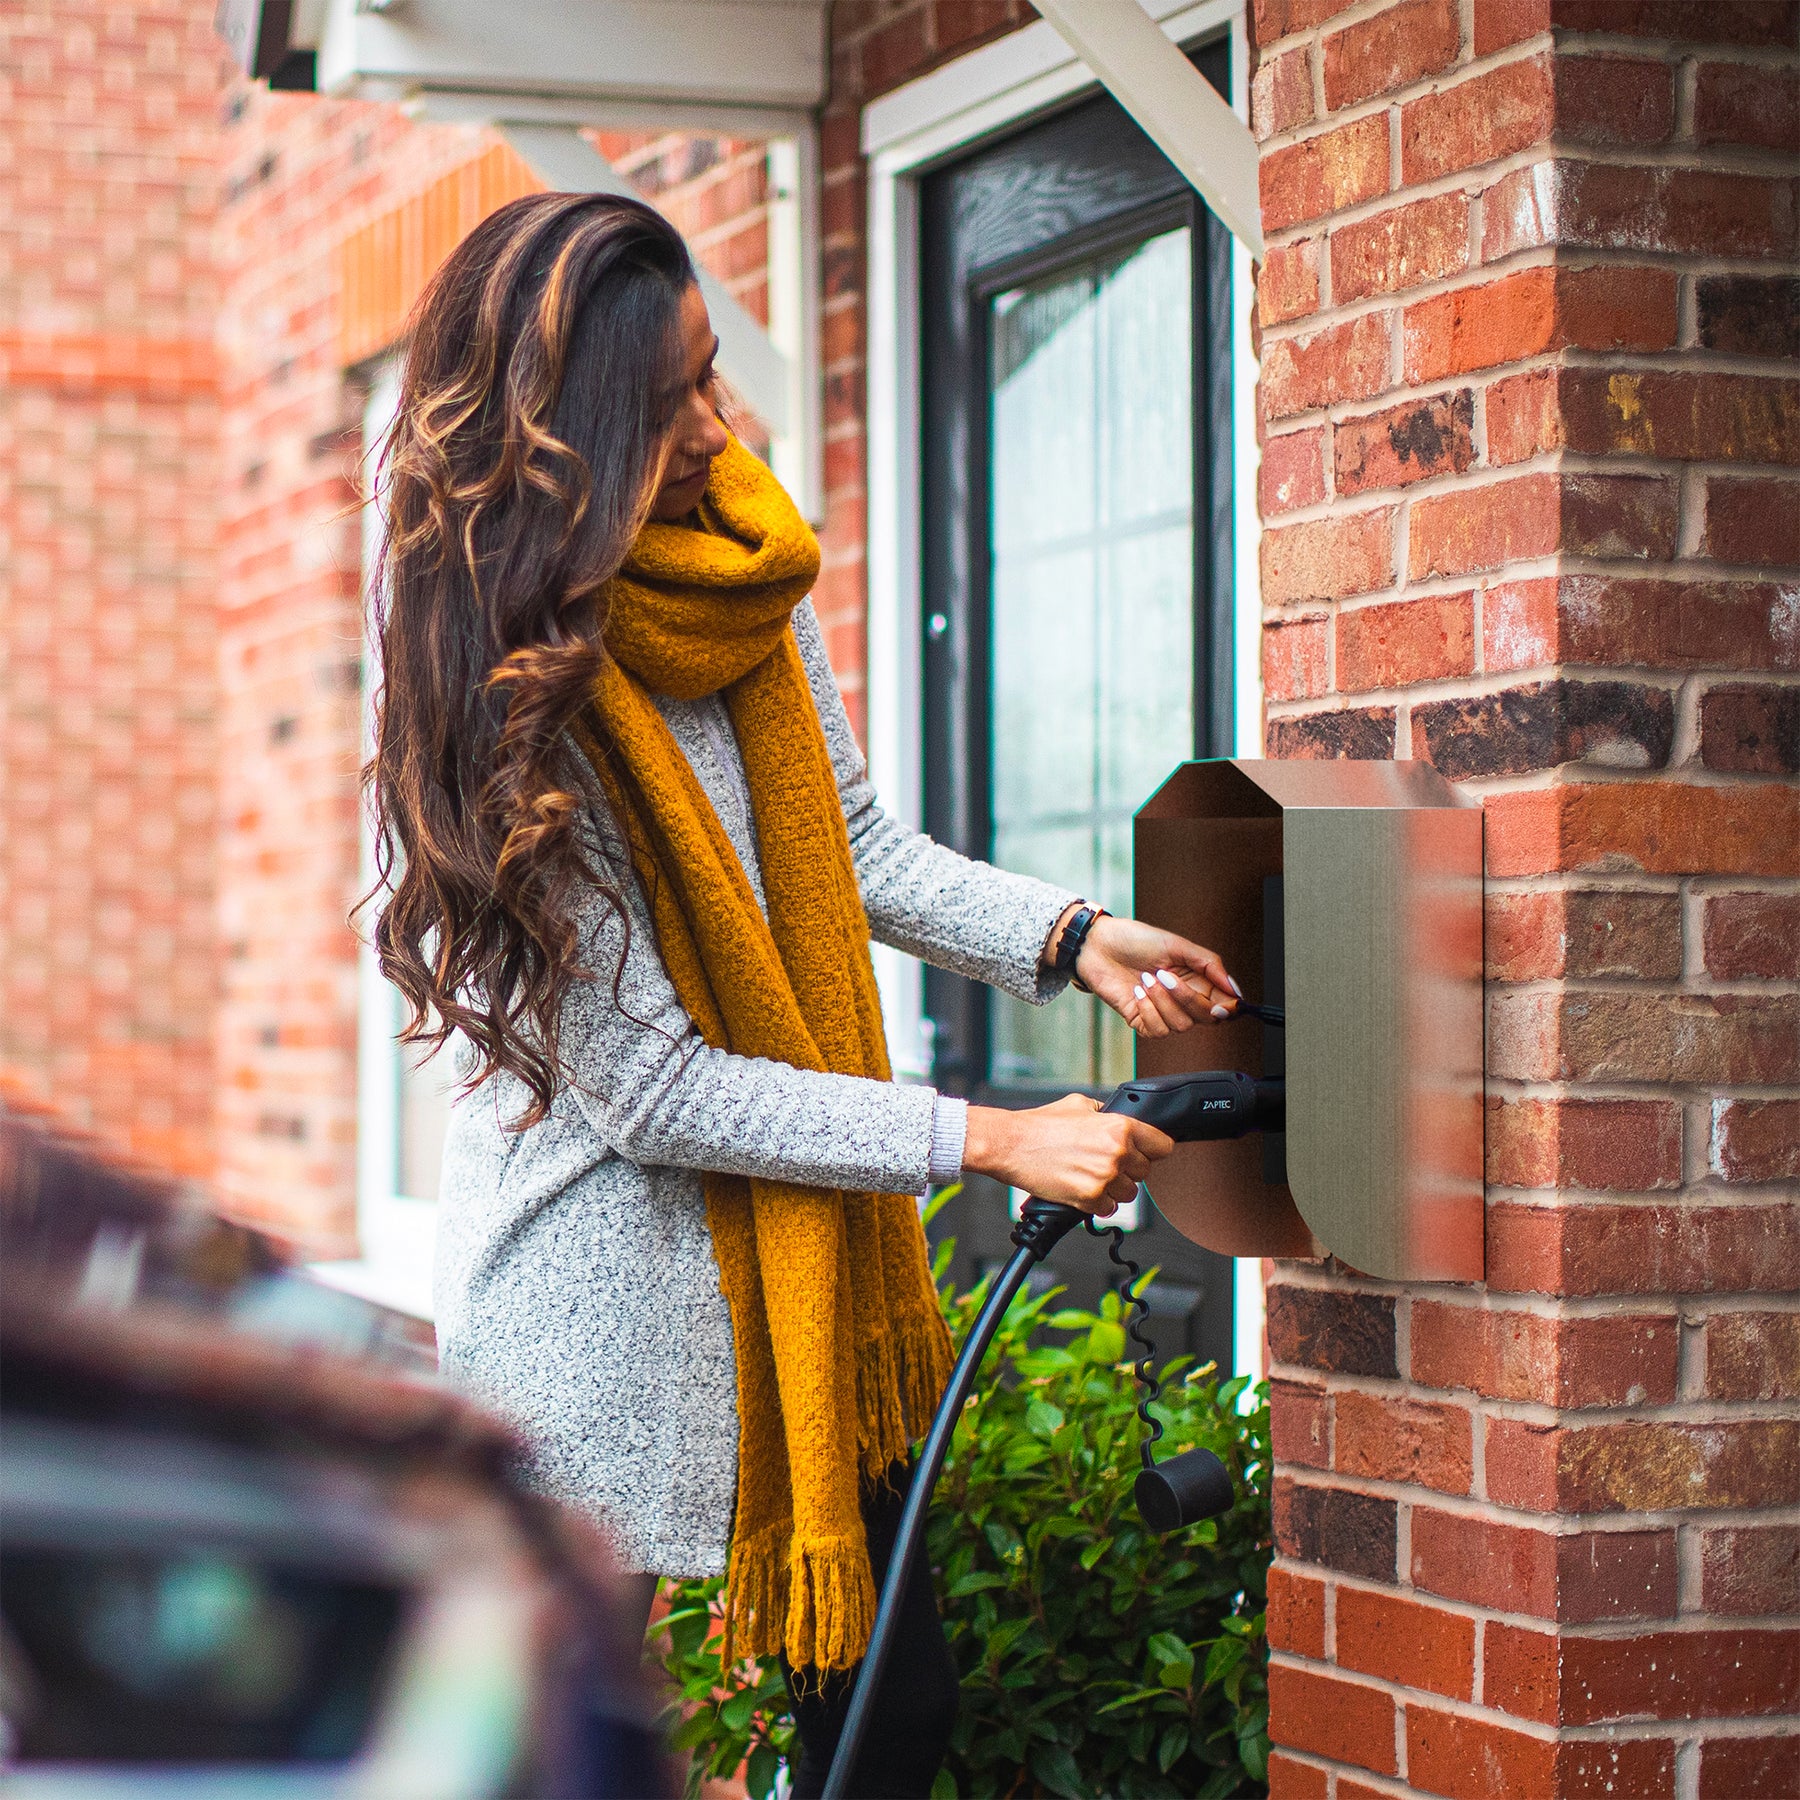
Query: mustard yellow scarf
[[841, 1352]]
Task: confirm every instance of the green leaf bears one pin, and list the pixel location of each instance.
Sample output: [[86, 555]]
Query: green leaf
[[760, 1770], [943, 1786], [1174, 1742], [973, 1584], [1042, 1419], [1056, 1769]]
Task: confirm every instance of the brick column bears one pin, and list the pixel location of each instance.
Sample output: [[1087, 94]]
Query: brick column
[[1528, 392]]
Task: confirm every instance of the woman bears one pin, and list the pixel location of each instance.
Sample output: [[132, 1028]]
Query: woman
[[635, 860]]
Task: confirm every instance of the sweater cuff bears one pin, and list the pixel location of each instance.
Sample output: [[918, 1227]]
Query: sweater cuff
[[949, 1132]]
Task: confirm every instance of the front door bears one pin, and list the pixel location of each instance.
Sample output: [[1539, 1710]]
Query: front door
[[1077, 563]]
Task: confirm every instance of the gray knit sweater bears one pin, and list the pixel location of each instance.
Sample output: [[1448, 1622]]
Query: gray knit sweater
[[576, 1289]]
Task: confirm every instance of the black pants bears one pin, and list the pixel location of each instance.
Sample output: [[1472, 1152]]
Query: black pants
[[915, 1707]]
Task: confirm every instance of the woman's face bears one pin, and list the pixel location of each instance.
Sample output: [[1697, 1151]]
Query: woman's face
[[697, 436]]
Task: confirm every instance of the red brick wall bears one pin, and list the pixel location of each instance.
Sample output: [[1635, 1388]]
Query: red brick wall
[[1531, 413], [876, 45], [299, 172], [109, 419]]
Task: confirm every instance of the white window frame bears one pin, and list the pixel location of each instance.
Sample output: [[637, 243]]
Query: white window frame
[[905, 134], [395, 1232]]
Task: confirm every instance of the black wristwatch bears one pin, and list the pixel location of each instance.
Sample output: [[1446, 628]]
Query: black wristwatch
[[1074, 935]]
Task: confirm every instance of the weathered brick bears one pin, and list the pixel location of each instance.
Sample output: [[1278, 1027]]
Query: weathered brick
[[1342, 362], [1474, 528], [1540, 936], [1281, 93], [1708, 1039], [1295, 658], [1524, 417], [1620, 516], [1684, 21], [1572, 1577], [1602, 206], [1277, 19], [1335, 1528], [1287, 286], [1752, 730], [1345, 1720], [1327, 559], [1546, 725], [1499, 23], [1424, 240], [1628, 1359], [1614, 100], [1400, 642], [1293, 471], [1752, 936], [1324, 1328], [1755, 1355], [1300, 1424], [1713, 418], [1296, 1612], [1750, 1768], [1643, 1466], [1403, 1641], [1404, 444], [1747, 103], [1469, 1758], [1630, 1146], [1749, 315], [1603, 619], [1752, 521], [1755, 1140], [1661, 827], [1477, 120], [1682, 1674], [1363, 734], [1291, 1779], [1325, 174], [1750, 1570], [1617, 1249], [1390, 50], [1384, 1438], [1481, 325]]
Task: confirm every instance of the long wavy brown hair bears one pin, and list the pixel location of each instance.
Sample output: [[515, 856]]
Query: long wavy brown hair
[[541, 371]]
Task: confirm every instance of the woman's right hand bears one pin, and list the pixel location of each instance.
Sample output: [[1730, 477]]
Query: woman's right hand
[[1069, 1151]]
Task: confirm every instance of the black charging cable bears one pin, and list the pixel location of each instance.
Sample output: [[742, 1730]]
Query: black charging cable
[[1210, 1105]]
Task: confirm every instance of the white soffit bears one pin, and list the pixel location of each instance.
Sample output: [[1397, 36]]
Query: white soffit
[[767, 54]]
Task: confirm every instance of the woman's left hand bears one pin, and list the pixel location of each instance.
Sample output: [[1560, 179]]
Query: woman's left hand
[[1156, 982]]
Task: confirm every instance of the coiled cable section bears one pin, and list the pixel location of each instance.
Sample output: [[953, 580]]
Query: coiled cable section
[[1136, 1311]]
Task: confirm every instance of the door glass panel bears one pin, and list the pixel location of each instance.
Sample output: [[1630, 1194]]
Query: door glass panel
[[1091, 434]]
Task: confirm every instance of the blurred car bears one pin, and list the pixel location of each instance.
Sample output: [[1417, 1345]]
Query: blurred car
[[250, 1545]]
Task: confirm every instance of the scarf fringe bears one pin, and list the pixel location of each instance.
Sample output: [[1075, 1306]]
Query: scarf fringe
[[900, 1377], [810, 1599]]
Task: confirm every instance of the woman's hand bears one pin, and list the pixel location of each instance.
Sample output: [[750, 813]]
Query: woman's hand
[[1069, 1151], [1156, 982]]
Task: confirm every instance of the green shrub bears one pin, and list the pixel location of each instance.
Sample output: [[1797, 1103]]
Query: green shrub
[[1096, 1658]]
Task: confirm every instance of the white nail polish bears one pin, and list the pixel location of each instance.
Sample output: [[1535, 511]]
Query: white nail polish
[[1235, 988], [1149, 980], [1167, 979], [1219, 1012], [1137, 993]]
